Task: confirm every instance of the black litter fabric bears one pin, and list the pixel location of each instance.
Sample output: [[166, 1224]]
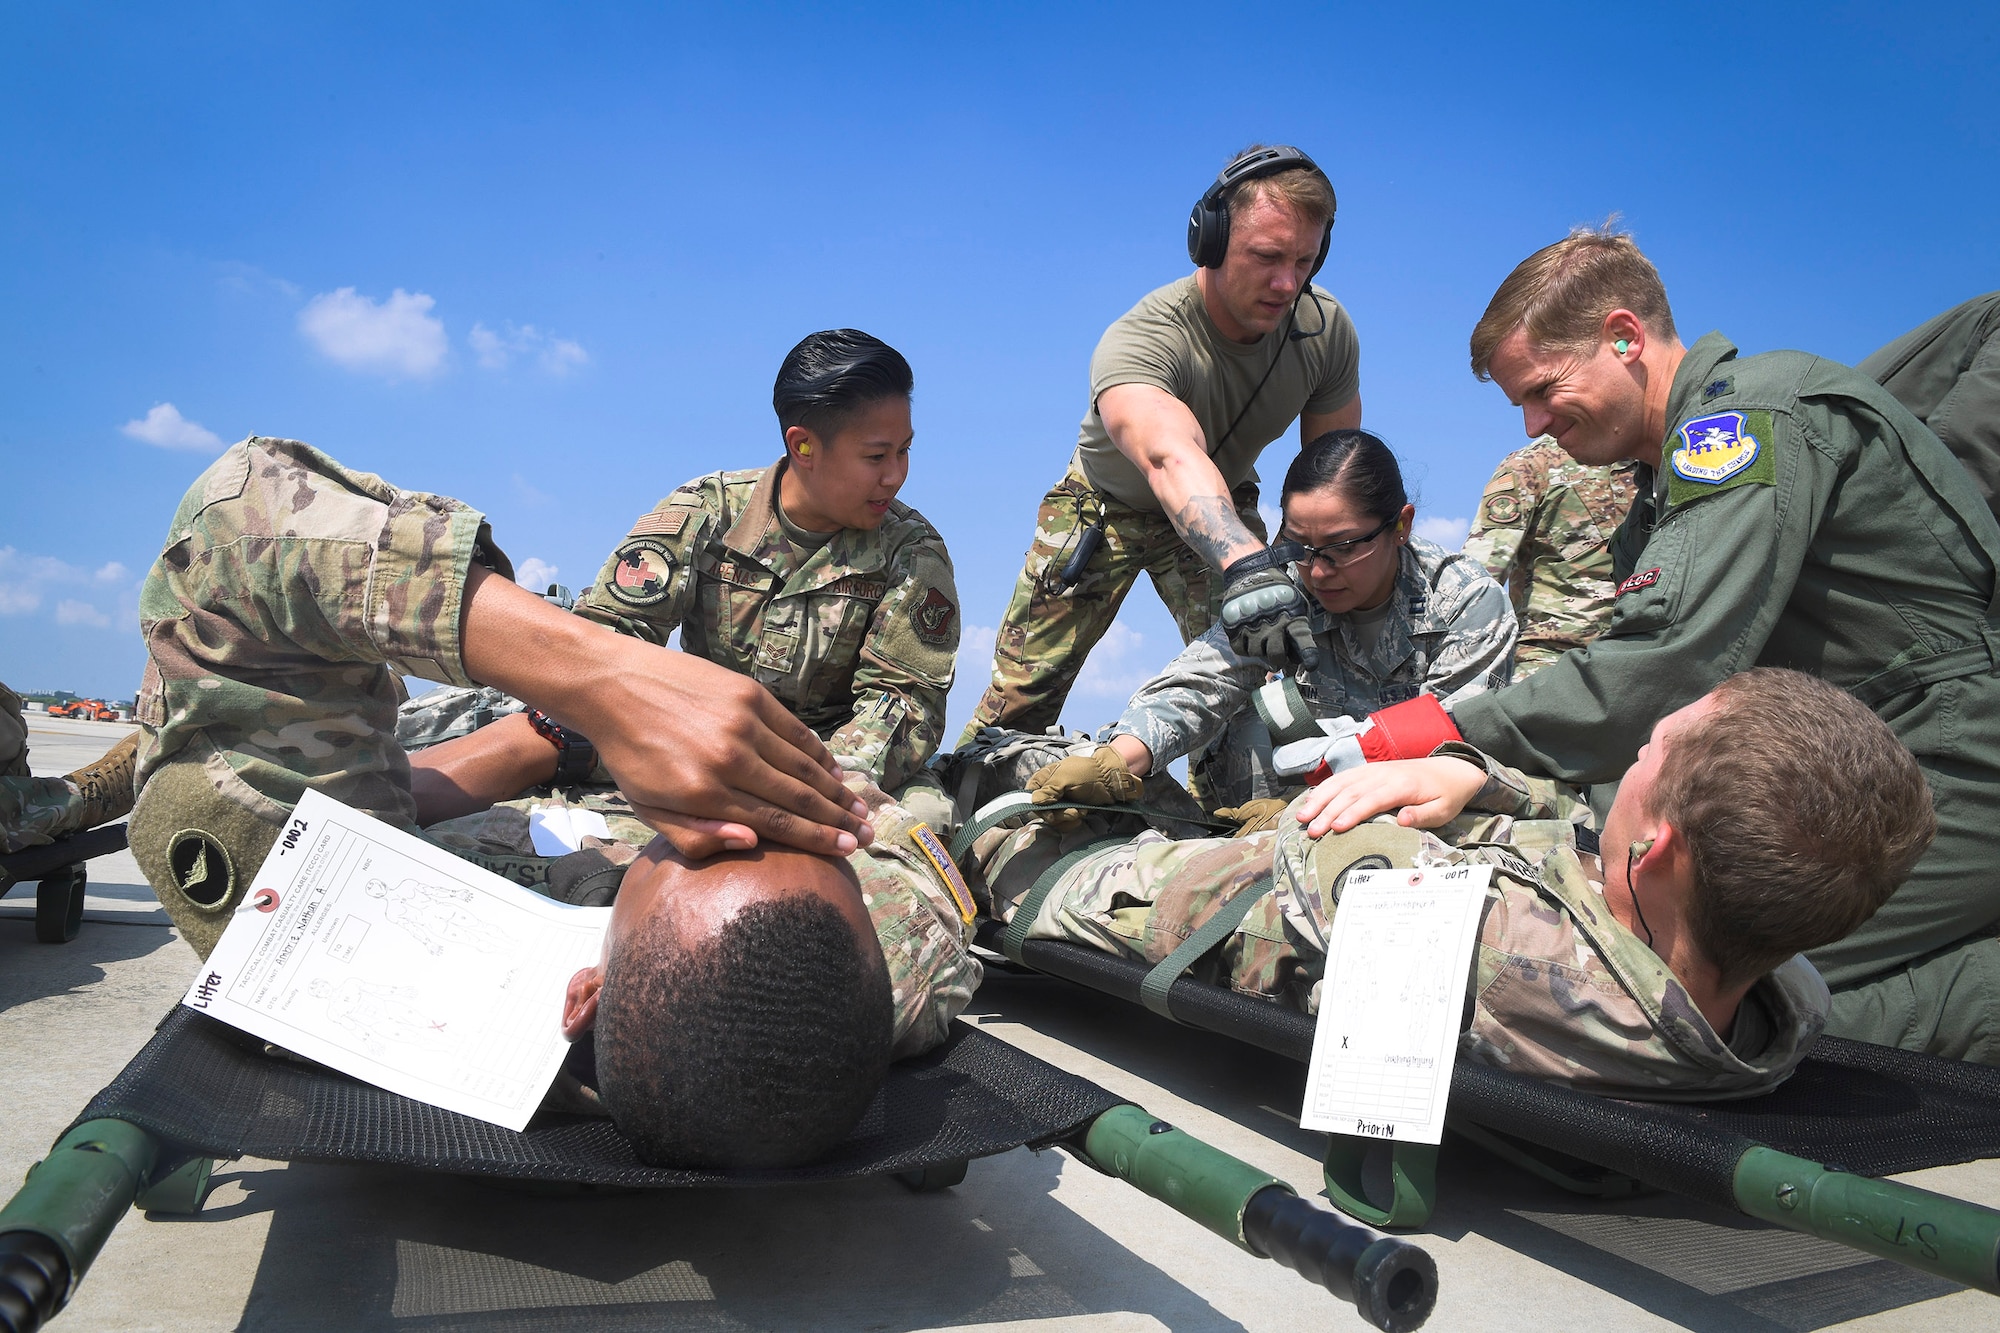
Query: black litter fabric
[[34, 862], [208, 1090], [1867, 1109]]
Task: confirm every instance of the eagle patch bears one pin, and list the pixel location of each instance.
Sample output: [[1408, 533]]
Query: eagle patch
[[1720, 451], [1714, 449]]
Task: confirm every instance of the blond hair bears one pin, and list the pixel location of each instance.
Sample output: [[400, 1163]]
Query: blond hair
[[1561, 294], [1307, 193], [1802, 811]]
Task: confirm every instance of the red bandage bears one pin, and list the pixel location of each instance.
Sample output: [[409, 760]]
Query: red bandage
[[1408, 730]]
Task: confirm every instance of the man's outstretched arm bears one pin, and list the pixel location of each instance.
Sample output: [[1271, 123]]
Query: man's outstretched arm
[[707, 757], [1157, 433]]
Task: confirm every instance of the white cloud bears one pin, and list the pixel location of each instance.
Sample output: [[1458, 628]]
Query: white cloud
[[165, 428], [1446, 532], [1116, 666], [27, 580], [534, 574], [397, 337], [975, 672], [496, 351], [1274, 518], [69, 611]]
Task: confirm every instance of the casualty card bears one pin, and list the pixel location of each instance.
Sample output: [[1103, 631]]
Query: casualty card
[[373, 952], [1396, 964]]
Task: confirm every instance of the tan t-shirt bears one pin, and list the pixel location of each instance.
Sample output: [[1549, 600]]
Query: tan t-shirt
[[1169, 342]]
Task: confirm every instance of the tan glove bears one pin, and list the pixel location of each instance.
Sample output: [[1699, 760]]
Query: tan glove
[[1254, 816], [1100, 778]]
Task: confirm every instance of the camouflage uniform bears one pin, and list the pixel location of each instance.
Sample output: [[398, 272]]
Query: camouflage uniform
[[289, 589], [1449, 632], [1047, 634], [33, 810], [857, 638], [1560, 989], [914, 900], [1544, 531]]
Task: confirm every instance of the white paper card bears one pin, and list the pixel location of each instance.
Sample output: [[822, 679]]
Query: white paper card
[[373, 952], [557, 830], [1397, 959]]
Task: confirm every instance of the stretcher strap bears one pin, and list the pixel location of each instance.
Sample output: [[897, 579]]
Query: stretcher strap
[[1281, 706], [1153, 990], [1016, 803], [1030, 905]]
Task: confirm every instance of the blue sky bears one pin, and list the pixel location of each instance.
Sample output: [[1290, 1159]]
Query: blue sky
[[549, 262]]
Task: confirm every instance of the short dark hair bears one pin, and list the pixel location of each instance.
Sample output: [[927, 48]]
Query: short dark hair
[[1355, 462], [761, 1048], [1803, 813], [1562, 293], [831, 375]]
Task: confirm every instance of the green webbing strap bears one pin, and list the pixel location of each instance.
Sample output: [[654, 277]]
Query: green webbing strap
[[1283, 709], [1030, 905], [1153, 990], [1015, 803]]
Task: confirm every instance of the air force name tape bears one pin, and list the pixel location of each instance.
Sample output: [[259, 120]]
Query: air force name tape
[[1714, 449], [934, 852]]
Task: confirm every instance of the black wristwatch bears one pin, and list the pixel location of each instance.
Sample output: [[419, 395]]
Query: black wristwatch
[[576, 757]]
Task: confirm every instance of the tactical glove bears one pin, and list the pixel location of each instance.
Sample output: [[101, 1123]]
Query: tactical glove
[[1264, 612], [1099, 778], [1254, 816]]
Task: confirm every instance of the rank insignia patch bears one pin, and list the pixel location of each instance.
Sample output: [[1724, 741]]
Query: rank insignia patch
[[932, 616], [1715, 448], [644, 575]]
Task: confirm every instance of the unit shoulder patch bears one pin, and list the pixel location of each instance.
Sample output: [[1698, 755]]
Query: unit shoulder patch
[[931, 615], [1720, 451], [645, 573], [1502, 509]]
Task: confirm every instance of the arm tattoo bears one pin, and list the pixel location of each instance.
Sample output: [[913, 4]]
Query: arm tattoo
[[1208, 523]]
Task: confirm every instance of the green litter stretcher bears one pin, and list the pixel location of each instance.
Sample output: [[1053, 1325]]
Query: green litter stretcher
[[1803, 1157], [199, 1091], [57, 871]]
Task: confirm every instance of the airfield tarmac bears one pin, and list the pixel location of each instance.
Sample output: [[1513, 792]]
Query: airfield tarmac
[[1028, 1241]]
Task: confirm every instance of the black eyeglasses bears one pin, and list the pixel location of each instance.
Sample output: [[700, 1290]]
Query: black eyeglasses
[[1334, 553]]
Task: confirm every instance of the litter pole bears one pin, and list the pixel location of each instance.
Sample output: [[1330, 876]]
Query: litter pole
[[1390, 1281], [1941, 1235], [52, 1229]]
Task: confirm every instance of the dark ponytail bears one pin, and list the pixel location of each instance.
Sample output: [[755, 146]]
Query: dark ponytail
[[1356, 464]]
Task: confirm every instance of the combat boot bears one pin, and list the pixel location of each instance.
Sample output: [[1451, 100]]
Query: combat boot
[[106, 785]]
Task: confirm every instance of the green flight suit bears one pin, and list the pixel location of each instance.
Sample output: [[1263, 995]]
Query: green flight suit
[[1802, 517]]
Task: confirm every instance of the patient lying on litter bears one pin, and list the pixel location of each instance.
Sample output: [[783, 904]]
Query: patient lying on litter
[[1772, 815]]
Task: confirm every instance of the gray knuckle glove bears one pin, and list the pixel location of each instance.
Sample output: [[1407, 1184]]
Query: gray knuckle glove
[[1265, 614]]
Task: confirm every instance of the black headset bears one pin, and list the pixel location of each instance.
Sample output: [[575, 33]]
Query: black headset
[[1208, 224]]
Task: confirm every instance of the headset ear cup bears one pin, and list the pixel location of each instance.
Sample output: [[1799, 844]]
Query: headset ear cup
[[1208, 233]]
